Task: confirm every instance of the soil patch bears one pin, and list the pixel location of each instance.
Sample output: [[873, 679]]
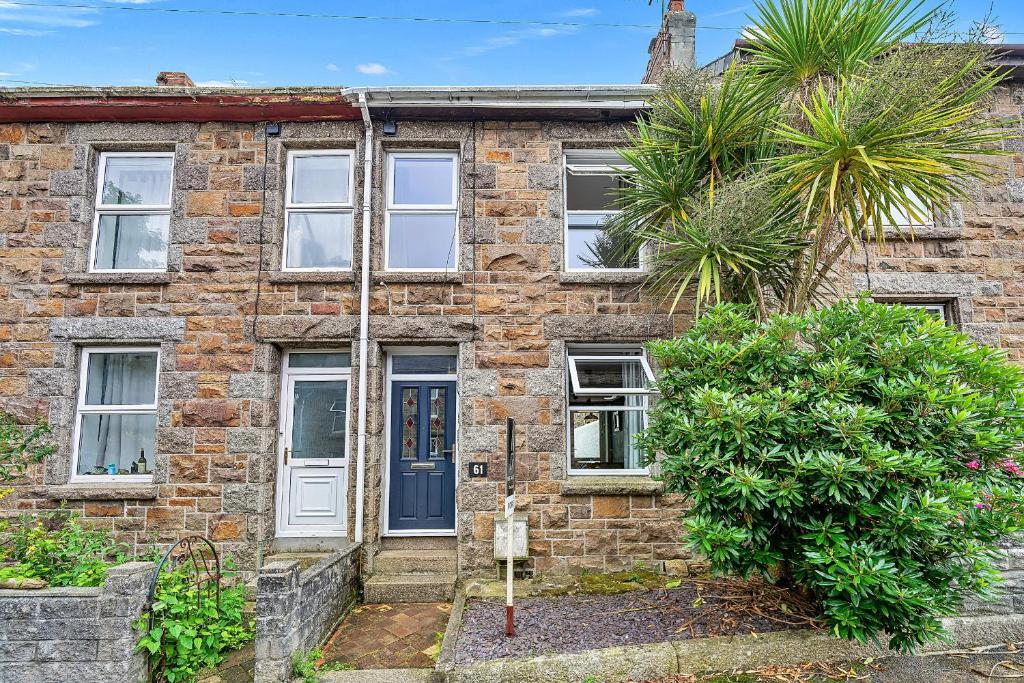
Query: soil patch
[[575, 623]]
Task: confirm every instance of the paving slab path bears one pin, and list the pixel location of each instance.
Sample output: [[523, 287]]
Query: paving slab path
[[390, 636]]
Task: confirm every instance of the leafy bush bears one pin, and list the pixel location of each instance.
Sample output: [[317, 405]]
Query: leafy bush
[[21, 446], [58, 549], [866, 453], [188, 635]]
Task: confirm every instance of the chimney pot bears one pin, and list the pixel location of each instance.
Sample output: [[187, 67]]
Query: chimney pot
[[178, 79], [675, 5]]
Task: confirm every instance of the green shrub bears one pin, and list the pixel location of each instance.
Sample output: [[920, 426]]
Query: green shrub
[[865, 453], [307, 667], [58, 549], [188, 635]]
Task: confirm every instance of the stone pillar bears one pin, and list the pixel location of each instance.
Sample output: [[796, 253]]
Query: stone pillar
[[122, 601], [277, 621], [673, 47]]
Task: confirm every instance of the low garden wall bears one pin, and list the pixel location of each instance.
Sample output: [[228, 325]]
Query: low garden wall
[[75, 634], [297, 610]]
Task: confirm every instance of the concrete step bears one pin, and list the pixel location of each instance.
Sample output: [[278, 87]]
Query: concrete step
[[384, 588], [418, 543], [305, 559], [413, 561]]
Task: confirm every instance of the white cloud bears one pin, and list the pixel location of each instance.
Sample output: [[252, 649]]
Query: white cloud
[[581, 12], [32, 32], [372, 69], [230, 83], [510, 39], [332, 67], [734, 10], [993, 34]]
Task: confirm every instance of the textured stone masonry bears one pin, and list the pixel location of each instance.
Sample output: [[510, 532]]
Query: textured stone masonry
[[76, 634]]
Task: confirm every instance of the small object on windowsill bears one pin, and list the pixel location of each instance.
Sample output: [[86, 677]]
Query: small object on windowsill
[[141, 467], [99, 469], [112, 469]]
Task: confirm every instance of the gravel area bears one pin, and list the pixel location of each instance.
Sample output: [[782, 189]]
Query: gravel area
[[574, 623]]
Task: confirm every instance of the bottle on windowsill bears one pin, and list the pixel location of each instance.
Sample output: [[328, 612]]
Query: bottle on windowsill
[[140, 466]]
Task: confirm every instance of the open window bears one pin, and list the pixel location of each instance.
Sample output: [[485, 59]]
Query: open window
[[608, 389], [592, 182]]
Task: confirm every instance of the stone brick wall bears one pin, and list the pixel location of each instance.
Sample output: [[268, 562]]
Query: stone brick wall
[[509, 309], [298, 610], [76, 634]]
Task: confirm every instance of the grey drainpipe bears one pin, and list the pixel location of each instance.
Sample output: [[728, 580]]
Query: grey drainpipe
[[364, 314]]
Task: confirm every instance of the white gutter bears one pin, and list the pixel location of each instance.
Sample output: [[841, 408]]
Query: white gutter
[[522, 97], [364, 314]]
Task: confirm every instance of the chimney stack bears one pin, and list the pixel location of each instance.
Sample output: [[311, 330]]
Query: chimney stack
[[673, 46], [178, 79]]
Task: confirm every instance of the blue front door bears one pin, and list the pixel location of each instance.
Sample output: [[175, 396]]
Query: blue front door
[[422, 487]]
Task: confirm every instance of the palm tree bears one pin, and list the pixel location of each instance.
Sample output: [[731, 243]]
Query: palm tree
[[755, 184]]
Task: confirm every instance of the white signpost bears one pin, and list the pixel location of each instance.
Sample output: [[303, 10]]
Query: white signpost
[[510, 509]]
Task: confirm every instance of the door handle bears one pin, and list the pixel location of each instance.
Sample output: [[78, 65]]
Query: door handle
[[449, 452], [286, 451]]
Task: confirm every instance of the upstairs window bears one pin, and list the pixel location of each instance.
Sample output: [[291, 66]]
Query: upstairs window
[[591, 188], [902, 218], [421, 231], [133, 212], [318, 211], [115, 431], [608, 390]]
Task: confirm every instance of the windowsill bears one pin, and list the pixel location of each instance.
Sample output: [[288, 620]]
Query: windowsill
[[161, 278], [602, 277], [415, 277], [285, 277], [611, 485], [106, 490]]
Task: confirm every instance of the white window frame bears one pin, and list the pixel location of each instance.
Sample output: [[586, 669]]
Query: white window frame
[[102, 209], [82, 409], [437, 209], [903, 219], [931, 307], [291, 206], [598, 391], [603, 352], [588, 170]]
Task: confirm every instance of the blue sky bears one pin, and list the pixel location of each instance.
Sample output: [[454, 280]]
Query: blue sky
[[87, 45]]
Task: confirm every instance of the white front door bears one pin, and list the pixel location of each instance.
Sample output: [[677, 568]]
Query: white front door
[[312, 450]]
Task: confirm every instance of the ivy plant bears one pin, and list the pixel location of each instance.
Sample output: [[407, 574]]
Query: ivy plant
[[187, 634], [866, 454]]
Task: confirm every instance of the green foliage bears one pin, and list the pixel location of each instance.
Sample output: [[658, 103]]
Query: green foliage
[[187, 634], [58, 549], [21, 446], [308, 667], [843, 115], [867, 453]]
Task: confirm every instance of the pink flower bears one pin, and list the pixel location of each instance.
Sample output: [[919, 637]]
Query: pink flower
[[982, 506], [1010, 467], [973, 465]]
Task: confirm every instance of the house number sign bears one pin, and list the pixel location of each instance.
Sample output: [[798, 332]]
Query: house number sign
[[477, 470]]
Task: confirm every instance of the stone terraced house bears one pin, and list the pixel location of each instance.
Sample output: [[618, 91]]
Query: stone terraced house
[[298, 318]]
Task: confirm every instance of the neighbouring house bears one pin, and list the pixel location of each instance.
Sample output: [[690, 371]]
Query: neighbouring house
[[298, 318]]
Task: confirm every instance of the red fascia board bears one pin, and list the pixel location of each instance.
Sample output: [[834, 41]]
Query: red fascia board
[[200, 108]]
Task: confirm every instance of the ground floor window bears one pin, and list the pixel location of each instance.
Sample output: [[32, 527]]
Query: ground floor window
[[116, 418], [608, 390]]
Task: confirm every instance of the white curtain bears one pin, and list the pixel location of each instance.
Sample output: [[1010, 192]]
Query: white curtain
[[119, 438]]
